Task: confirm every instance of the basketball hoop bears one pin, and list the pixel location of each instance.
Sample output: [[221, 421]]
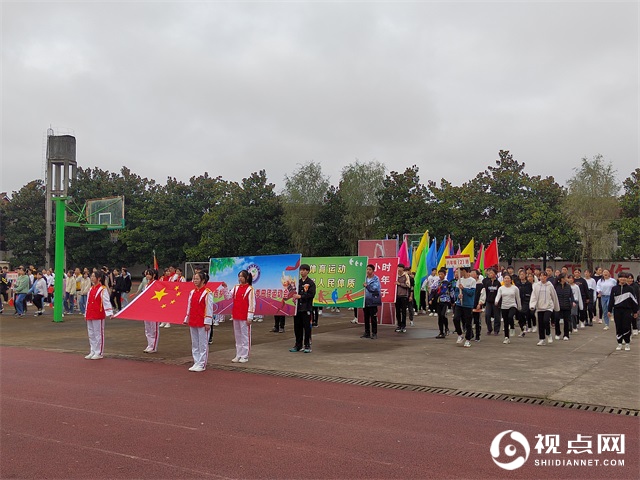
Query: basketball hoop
[[113, 234]]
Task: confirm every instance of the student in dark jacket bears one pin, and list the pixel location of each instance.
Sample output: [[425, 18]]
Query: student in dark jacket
[[302, 320], [525, 317], [636, 291], [566, 302], [623, 306], [491, 286]]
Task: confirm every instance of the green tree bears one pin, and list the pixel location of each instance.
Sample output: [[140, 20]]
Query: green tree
[[329, 238], [247, 221], [628, 225], [302, 199], [24, 223], [591, 204], [402, 204], [359, 186]]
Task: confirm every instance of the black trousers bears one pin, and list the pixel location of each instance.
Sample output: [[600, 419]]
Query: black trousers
[[401, 311], [477, 324], [370, 320], [315, 312], [443, 321], [544, 324], [491, 311], [508, 315], [279, 321], [565, 315], [302, 325], [37, 301], [622, 317], [462, 319]]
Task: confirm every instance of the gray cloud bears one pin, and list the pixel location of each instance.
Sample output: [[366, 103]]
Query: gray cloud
[[173, 89]]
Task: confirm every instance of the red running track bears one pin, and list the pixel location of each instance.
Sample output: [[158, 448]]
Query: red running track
[[66, 417]]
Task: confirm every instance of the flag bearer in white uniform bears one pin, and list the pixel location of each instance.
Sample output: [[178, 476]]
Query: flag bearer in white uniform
[[199, 318], [151, 329], [98, 308]]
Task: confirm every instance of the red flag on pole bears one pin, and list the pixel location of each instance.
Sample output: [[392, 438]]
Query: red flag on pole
[[491, 256], [164, 302]]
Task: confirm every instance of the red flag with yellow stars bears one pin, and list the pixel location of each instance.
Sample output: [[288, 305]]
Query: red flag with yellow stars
[[163, 302]]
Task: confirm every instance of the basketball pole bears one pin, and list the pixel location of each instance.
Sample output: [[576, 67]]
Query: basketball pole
[[58, 285]]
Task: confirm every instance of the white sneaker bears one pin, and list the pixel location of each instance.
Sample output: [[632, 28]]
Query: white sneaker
[[566, 339], [197, 368], [96, 357], [627, 347], [635, 332], [147, 350], [575, 330], [216, 323], [460, 339], [88, 357], [167, 325], [355, 320], [260, 319], [557, 337], [581, 324], [337, 310], [550, 339], [534, 329], [235, 359], [467, 343], [540, 343], [606, 327], [411, 323], [619, 346], [191, 368], [506, 340], [162, 324], [512, 332], [243, 360]]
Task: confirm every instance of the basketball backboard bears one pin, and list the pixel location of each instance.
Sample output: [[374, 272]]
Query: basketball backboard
[[105, 213]]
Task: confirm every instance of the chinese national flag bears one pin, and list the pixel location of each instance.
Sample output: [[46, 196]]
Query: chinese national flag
[[162, 302]]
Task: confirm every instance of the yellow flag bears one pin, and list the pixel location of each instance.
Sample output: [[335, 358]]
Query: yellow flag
[[424, 241], [468, 250]]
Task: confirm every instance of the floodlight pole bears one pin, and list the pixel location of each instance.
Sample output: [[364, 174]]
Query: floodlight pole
[[58, 285]]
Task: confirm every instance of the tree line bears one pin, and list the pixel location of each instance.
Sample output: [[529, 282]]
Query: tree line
[[588, 219]]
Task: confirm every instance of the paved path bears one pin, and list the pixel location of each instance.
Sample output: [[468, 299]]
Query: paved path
[[586, 370], [66, 417]]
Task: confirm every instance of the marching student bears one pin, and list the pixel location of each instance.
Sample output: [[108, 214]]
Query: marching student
[[525, 287], [479, 300], [603, 290], [98, 308], [510, 297], [372, 301], [584, 293], [576, 305], [543, 302], [39, 291], [199, 318], [566, 301], [623, 306], [491, 286], [462, 313], [151, 329], [244, 307], [591, 296], [443, 299]]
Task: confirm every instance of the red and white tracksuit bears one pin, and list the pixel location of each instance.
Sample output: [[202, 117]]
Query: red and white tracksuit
[[152, 331], [244, 306], [98, 308], [199, 314]]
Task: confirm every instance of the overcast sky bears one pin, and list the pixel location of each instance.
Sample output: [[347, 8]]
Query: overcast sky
[[177, 89]]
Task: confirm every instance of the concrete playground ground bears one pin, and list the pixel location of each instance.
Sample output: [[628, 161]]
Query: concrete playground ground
[[585, 372], [402, 406]]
